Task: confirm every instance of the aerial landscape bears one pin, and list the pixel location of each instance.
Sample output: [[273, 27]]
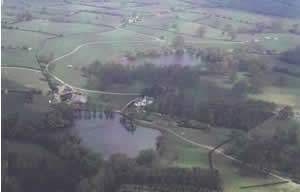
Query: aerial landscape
[[150, 95]]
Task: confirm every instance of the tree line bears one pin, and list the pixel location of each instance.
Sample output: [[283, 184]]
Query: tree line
[[292, 56], [228, 111], [120, 170], [104, 76]]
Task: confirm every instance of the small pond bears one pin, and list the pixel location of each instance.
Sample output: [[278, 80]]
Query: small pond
[[109, 135], [185, 59]]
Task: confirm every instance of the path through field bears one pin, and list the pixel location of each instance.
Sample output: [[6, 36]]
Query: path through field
[[21, 68], [73, 52], [219, 152]]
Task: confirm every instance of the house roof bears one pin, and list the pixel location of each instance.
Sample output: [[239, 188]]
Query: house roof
[[79, 98]]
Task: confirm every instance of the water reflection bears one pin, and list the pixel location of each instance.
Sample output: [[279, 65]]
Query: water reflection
[[185, 59], [111, 133], [87, 114], [128, 124]]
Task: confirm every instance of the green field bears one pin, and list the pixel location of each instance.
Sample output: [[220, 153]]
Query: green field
[[93, 18], [285, 95], [109, 46], [60, 28], [193, 156], [272, 41], [13, 52], [28, 79]]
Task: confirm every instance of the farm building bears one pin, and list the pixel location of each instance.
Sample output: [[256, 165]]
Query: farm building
[[66, 96], [79, 98], [73, 96]]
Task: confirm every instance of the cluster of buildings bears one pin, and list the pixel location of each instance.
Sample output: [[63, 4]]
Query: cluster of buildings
[[133, 19], [73, 97]]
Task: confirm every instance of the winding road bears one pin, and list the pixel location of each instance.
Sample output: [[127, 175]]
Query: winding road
[[76, 49], [88, 44], [21, 68]]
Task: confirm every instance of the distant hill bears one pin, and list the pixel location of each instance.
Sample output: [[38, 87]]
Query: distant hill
[[285, 8]]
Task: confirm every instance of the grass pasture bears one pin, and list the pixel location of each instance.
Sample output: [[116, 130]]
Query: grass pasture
[[18, 79], [64, 45], [28, 79], [151, 31], [60, 28], [191, 28], [281, 96], [93, 18], [159, 21], [288, 94], [18, 39], [190, 17], [19, 57], [13, 42], [99, 101], [13, 102], [272, 41]]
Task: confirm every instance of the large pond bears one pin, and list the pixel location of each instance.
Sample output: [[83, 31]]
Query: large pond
[[109, 135], [185, 59]]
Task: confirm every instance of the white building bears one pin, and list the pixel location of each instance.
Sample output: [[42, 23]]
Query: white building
[[142, 102], [130, 20]]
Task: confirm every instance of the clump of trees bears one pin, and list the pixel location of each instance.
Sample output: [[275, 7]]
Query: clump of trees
[[178, 44], [295, 28], [121, 170], [277, 149], [105, 76], [60, 116], [255, 69], [226, 112], [45, 59], [55, 159], [218, 61], [262, 27], [291, 56], [201, 31], [231, 33], [147, 158]]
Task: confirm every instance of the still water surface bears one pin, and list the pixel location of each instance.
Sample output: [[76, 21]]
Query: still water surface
[[109, 136], [164, 60]]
